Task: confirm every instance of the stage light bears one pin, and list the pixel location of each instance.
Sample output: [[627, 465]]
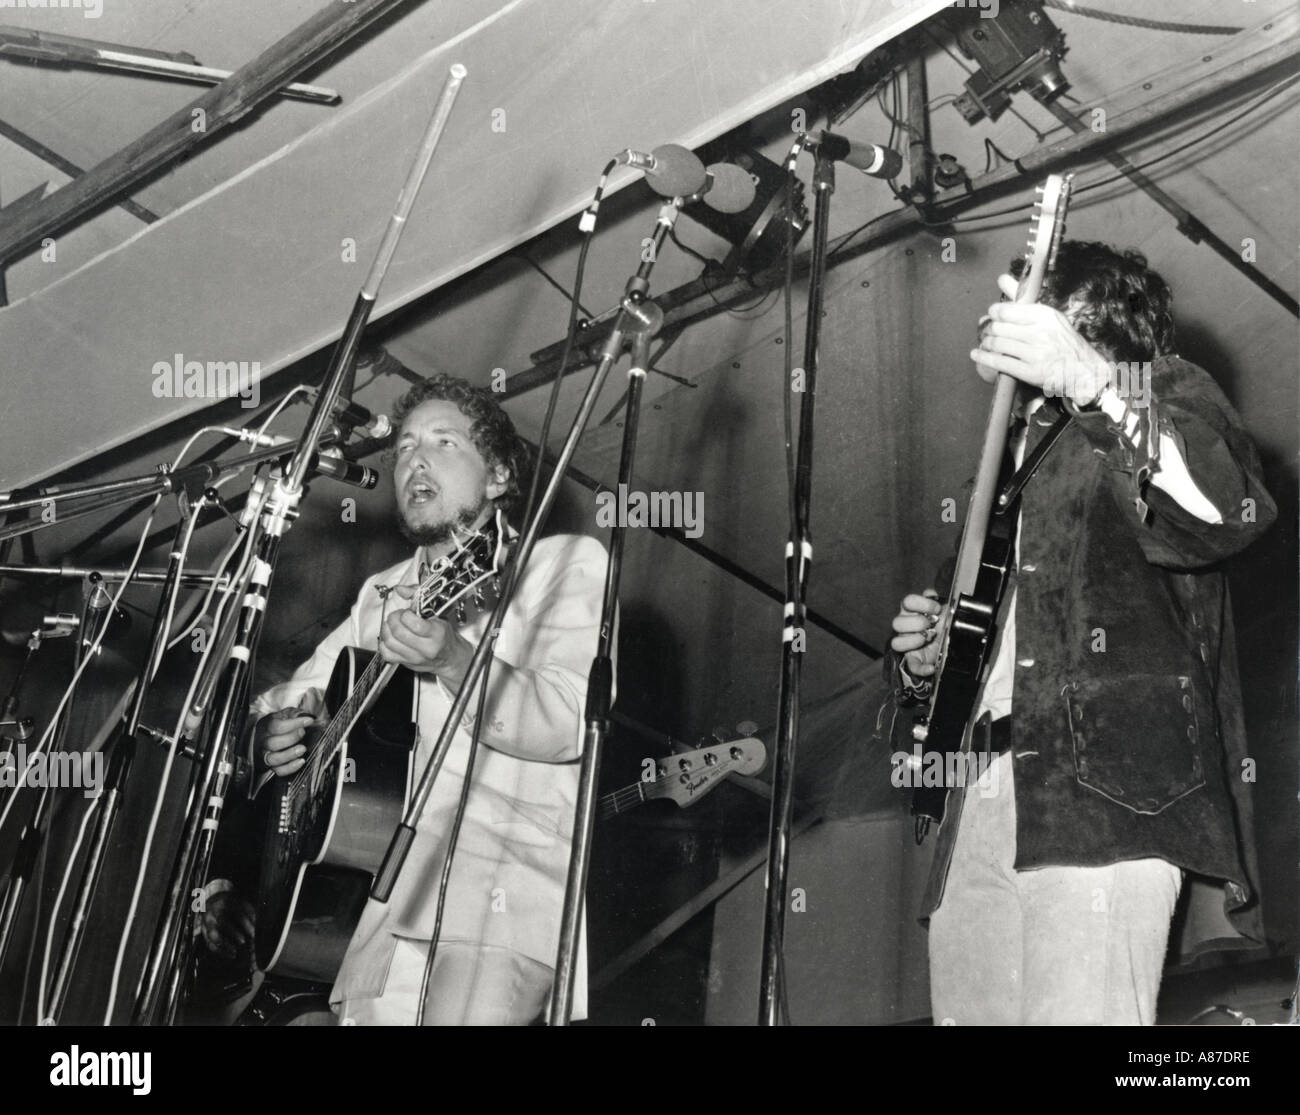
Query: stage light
[[1019, 49]]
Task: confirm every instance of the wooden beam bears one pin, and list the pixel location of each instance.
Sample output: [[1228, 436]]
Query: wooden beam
[[918, 116], [194, 125]]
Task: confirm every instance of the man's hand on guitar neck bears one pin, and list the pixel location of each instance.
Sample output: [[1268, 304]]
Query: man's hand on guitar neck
[[427, 646], [1039, 346], [916, 633]]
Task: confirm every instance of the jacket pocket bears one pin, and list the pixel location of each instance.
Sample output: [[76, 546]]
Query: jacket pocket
[[1136, 739]]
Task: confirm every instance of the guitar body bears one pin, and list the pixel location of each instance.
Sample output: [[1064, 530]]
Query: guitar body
[[324, 837], [970, 642]]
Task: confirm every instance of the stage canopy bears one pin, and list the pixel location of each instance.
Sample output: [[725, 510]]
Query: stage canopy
[[253, 247]]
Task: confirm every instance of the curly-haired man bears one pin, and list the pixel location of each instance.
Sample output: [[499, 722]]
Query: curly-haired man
[[1111, 701], [456, 461]]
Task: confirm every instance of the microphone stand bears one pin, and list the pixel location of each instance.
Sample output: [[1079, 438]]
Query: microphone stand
[[10, 721], [23, 862], [34, 833], [191, 482], [191, 745], [172, 945], [798, 559], [35, 830], [109, 802], [112, 492], [195, 579], [636, 315], [20, 872], [642, 319]]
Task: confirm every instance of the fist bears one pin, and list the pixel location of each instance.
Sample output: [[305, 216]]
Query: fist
[[277, 739], [916, 630], [1039, 346], [427, 646]]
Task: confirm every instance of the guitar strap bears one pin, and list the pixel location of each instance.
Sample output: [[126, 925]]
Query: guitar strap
[[1010, 492]]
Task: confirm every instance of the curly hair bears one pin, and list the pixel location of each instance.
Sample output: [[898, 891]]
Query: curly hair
[[491, 430], [1125, 311]]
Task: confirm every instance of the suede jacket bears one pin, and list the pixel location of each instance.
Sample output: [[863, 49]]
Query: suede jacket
[[1126, 724]]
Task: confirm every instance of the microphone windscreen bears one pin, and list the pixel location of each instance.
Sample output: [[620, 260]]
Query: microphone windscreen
[[732, 191], [677, 173], [879, 162]]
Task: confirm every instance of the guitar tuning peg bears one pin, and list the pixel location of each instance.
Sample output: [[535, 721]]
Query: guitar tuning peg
[[1038, 189]]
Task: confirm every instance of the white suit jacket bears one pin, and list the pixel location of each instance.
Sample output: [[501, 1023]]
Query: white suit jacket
[[508, 873]]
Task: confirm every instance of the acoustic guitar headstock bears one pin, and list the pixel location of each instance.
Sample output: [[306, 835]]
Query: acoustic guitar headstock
[[468, 579]]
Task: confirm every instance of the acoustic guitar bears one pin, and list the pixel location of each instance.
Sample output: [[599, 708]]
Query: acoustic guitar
[[326, 827]]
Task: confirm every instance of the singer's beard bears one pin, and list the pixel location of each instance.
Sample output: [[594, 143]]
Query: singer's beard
[[440, 533]]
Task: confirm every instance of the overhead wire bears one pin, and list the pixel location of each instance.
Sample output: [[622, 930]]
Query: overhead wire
[[1140, 21]]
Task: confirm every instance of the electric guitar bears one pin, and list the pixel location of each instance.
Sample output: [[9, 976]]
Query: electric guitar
[[966, 625], [326, 827], [689, 775]]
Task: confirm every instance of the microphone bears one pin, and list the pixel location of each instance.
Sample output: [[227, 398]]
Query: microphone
[[359, 420], [670, 169], [345, 471], [21, 619], [335, 467], [878, 162], [727, 189]]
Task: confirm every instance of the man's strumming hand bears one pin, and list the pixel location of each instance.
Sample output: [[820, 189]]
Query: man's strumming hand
[[277, 738]]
